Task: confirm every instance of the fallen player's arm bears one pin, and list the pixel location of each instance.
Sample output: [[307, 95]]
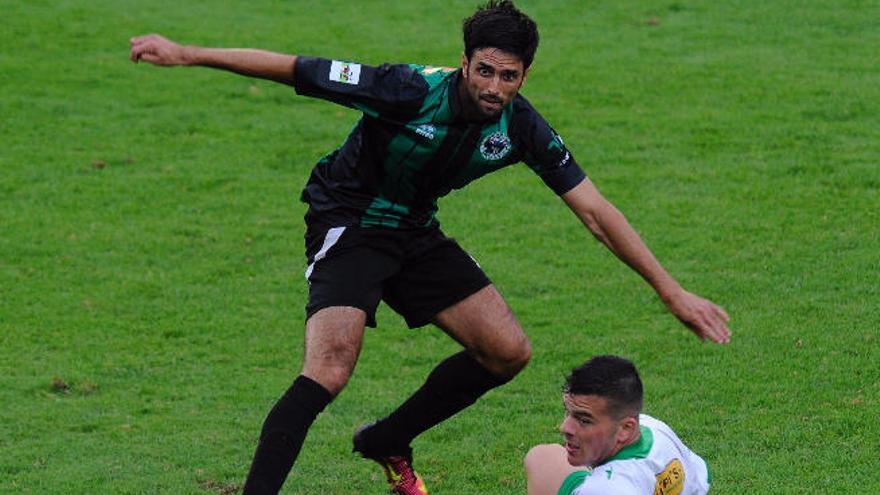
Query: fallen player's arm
[[706, 319], [262, 64]]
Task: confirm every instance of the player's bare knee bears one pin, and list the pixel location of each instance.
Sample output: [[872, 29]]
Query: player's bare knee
[[332, 378], [331, 370], [520, 357], [538, 455], [529, 459], [532, 457], [511, 358], [338, 380]]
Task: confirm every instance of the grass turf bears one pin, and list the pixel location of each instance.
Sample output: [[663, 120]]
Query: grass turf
[[151, 254]]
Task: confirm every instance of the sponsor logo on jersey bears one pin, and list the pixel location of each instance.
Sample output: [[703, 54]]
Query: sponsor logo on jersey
[[495, 146], [426, 131], [670, 481], [345, 72]]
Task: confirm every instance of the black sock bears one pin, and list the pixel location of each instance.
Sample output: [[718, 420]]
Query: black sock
[[453, 385], [283, 434]]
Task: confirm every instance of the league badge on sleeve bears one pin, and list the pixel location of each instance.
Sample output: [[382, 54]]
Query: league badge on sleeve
[[345, 72]]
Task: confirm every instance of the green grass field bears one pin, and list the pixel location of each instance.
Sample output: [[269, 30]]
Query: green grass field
[[151, 262]]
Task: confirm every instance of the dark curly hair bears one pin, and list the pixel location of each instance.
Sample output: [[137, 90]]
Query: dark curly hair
[[499, 24]]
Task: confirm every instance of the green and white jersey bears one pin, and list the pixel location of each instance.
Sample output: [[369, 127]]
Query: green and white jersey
[[658, 464], [413, 146]]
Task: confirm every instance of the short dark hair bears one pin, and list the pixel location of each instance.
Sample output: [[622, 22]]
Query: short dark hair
[[611, 377], [499, 24]]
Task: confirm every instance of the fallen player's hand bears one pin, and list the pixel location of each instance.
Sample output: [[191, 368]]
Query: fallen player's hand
[[705, 318], [157, 50]]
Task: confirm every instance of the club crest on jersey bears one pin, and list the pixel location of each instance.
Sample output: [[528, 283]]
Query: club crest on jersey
[[495, 146], [345, 72]]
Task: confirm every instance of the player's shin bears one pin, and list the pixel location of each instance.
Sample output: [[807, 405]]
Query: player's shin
[[283, 434], [453, 385]]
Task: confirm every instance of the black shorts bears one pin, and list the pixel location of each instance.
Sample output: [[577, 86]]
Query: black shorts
[[418, 272]]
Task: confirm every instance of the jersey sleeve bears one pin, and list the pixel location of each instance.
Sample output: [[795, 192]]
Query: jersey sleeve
[[545, 152], [572, 482], [389, 90]]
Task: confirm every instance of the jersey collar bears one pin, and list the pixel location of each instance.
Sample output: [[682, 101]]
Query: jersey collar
[[454, 97], [637, 450]]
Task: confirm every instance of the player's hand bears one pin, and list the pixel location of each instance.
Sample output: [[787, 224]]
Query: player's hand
[[157, 50], [705, 318]]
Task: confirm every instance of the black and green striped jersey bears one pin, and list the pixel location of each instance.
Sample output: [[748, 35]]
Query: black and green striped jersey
[[413, 146]]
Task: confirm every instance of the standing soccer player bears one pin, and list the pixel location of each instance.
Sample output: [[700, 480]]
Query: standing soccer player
[[371, 231]]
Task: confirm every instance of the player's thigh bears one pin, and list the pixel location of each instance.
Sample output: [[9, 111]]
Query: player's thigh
[[547, 468], [482, 321], [486, 326]]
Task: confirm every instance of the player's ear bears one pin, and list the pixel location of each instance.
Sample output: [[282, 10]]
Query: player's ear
[[627, 429], [464, 65]]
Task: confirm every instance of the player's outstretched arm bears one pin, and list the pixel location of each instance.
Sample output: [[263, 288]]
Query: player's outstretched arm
[[705, 318], [262, 64]]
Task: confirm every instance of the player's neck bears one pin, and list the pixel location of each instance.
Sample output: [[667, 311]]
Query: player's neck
[[634, 436]]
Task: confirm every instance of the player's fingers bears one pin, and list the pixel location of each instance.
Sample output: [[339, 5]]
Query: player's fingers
[[151, 58], [715, 328], [720, 335], [697, 327], [709, 331], [145, 39], [138, 40], [720, 312], [721, 318], [135, 54], [722, 332], [715, 318], [142, 52]]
